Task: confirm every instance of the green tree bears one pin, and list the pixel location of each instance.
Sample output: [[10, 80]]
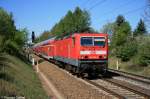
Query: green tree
[[127, 50], [109, 29], [68, 21], [140, 29], [11, 39], [120, 19], [123, 46], [54, 29], [143, 55], [14, 46], [81, 20], [7, 26], [147, 14], [122, 31], [21, 37], [77, 21]]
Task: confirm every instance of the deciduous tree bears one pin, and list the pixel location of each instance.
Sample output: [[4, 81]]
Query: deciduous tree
[[140, 29], [122, 31]]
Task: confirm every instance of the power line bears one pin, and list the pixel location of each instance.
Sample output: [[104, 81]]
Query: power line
[[129, 12], [98, 3], [140, 8], [118, 7], [85, 3]]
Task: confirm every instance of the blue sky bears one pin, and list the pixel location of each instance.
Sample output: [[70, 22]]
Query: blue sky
[[40, 15]]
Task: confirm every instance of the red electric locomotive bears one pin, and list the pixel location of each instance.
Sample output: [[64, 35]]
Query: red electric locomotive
[[83, 52]]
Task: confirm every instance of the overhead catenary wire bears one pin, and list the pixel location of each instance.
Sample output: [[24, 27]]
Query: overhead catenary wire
[[134, 10], [118, 7], [85, 3], [97, 4], [128, 12]]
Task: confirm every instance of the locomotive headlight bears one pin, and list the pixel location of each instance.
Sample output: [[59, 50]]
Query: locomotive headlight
[[82, 57], [105, 56]]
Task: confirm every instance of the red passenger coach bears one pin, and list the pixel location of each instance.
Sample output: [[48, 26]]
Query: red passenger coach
[[43, 48], [83, 52]]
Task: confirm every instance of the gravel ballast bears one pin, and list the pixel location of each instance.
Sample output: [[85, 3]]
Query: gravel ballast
[[69, 86]]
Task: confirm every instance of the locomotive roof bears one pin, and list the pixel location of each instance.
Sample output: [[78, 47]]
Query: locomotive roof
[[72, 34], [63, 37]]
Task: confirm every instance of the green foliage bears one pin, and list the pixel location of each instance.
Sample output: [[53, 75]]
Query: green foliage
[[77, 21], [11, 39], [44, 36], [11, 47], [147, 14], [121, 33], [73, 22], [143, 56], [21, 37], [140, 29], [127, 50], [19, 79], [16, 77], [108, 28], [81, 20], [7, 26], [120, 19]]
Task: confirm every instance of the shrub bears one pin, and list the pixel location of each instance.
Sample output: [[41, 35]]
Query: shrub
[[144, 52], [127, 50]]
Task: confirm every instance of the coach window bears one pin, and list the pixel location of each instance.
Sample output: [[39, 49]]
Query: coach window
[[73, 41]]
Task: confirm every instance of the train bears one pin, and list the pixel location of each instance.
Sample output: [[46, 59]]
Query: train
[[80, 53]]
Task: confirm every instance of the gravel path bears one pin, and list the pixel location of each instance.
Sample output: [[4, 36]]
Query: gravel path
[[70, 87], [48, 90]]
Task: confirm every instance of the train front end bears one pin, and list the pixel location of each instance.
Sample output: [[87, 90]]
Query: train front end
[[93, 54]]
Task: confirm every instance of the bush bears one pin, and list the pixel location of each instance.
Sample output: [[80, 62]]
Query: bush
[[144, 52], [127, 50]]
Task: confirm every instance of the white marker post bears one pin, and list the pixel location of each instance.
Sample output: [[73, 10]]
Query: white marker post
[[37, 66], [117, 63], [33, 61]]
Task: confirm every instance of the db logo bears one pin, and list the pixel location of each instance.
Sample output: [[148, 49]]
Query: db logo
[[93, 52]]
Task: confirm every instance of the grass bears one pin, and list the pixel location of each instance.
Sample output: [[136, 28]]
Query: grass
[[19, 79], [129, 67]]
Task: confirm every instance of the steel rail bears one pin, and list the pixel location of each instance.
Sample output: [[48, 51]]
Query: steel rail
[[135, 77], [105, 89], [146, 96]]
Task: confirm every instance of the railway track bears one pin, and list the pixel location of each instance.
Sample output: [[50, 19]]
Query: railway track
[[121, 91], [142, 79], [124, 89]]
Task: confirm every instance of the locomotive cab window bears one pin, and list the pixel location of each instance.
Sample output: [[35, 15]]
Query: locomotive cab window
[[86, 41], [93, 41], [99, 41]]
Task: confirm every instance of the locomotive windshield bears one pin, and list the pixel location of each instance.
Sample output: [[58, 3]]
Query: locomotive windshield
[[86, 41], [99, 41], [92, 41]]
